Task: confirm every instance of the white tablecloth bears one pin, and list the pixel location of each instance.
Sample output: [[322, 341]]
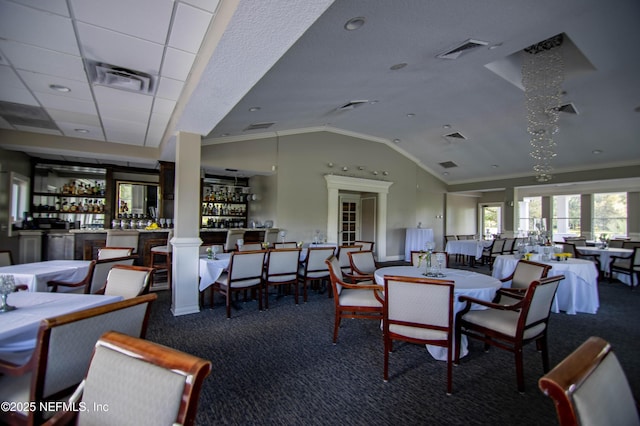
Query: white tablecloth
[[35, 275], [605, 258], [472, 248], [415, 240], [578, 292], [19, 328], [211, 269], [467, 283]]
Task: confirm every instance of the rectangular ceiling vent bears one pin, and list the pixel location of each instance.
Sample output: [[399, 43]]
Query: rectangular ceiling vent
[[351, 105], [259, 126], [455, 135], [568, 108], [448, 164], [464, 47], [26, 115], [120, 78]]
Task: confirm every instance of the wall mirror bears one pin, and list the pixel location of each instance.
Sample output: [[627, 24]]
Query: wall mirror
[[137, 199]]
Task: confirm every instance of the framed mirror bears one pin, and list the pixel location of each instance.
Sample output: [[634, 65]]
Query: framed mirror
[[136, 199]]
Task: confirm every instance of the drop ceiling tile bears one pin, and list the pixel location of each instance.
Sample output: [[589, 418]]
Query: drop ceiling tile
[[122, 131], [54, 6], [177, 64], [146, 19], [33, 58], [209, 5], [157, 126], [107, 46], [163, 106], [82, 119], [189, 27], [66, 104], [9, 78], [17, 95], [3, 59], [40, 83], [123, 105], [31, 26], [169, 88], [69, 129]]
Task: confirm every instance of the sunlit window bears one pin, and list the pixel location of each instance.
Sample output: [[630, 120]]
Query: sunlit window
[[530, 213], [610, 214], [566, 216]]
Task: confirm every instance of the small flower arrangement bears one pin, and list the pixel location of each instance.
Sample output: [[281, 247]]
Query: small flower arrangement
[[424, 256], [562, 256], [209, 253]]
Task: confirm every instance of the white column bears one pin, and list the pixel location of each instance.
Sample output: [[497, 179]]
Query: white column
[[332, 215], [381, 224], [186, 240]]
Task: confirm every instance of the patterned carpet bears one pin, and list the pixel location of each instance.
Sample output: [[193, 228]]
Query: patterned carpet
[[279, 367]]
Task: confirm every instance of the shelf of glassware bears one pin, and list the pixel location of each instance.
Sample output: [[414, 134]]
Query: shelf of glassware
[[224, 214], [48, 204]]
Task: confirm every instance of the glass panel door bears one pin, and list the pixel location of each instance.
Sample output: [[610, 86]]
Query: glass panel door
[[349, 226], [491, 220]]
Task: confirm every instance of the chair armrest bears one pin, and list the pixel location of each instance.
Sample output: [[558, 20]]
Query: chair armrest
[[55, 284], [509, 278], [512, 291], [491, 305], [21, 287]]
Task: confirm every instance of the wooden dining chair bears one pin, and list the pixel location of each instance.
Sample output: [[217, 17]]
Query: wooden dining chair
[[343, 257], [141, 383], [127, 281], [82, 286], [281, 269], [362, 301], [418, 311], [61, 357], [244, 273], [510, 327], [314, 268], [626, 265], [113, 252], [525, 272], [363, 266], [589, 387], [161, 257]]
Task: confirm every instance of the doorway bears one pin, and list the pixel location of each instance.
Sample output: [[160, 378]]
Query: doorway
[[349, 219], [490, 220]]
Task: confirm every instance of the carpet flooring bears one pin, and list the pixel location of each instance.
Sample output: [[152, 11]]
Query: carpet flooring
[[279, 366]]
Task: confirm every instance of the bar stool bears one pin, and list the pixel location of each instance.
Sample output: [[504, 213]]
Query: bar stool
[[165, 254]]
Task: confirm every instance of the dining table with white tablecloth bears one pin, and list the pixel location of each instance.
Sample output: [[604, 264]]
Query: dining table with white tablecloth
[[19, 327], [36, 275], [211, 269], [467, 283], [473, 248], [415, 240], [577, 292], [604, 255]]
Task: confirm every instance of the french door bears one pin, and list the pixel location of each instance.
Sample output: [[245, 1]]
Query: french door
[[349, 224]]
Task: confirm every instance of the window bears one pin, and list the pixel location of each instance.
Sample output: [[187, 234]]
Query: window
[[19, 200], [530, 213], [610, 214], [566, 216]]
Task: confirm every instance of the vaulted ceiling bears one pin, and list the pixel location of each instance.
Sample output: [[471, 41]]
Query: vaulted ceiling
[[140, 70]]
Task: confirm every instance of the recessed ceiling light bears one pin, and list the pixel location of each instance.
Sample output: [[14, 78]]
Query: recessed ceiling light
[[224, 134], [445, 173], [373, 102], [81, 130], [446, 126], [495, 46], [398, 66], [411, 115], [59, 88], [596, 151], [354, 23], [254, 109], [494, 166], [396, 141]]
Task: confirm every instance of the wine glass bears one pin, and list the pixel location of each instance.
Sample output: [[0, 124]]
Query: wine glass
[[7, 286], [440, 258], [214, 250], [162, 222], [169, 223], [282, 235]]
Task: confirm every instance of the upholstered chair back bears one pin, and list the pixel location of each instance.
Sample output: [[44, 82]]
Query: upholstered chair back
[[362, 262], [114, 252], [101, 271], [128, 281], [245, 268], [526, 272], [540, 306], [282, 264]]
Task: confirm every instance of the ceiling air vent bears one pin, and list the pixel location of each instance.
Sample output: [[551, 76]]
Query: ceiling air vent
[[26, 115], [455, 135], [465, 47], [568, 108], [120, 78], [448, 164], [259, 126]]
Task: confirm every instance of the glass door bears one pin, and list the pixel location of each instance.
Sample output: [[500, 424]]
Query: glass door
[[349, 226], [491, 220]]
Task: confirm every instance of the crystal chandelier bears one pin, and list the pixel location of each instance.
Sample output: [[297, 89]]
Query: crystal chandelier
[[542, 76]]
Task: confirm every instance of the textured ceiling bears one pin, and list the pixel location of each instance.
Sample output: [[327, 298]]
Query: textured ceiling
[[297, 63]]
